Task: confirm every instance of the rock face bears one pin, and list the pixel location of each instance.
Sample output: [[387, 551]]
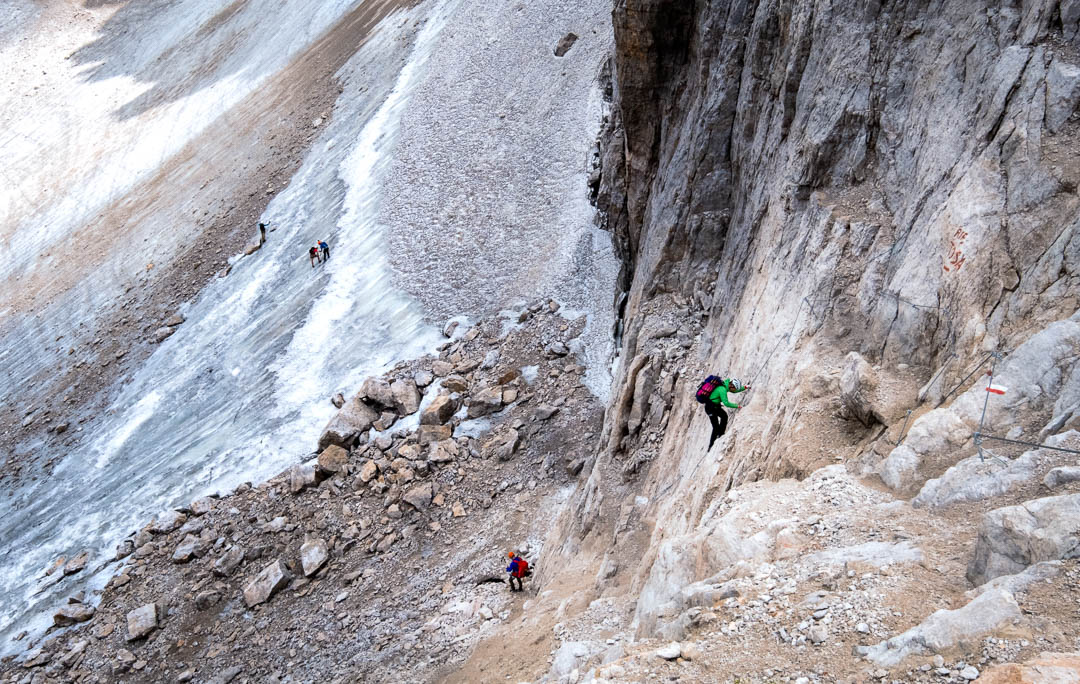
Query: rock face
[[1014, 537], [266, 583]]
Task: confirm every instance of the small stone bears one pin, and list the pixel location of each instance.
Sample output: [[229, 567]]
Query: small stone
[[301, 477], [77, 563], [202, 506], [206, 599], [423, 378], [669, 652], [862, 628], [458, 510], [573, 468], [73, 614], [189, 548], [556, 349], [277, 524], [386, 542], [338, 400], [333, 460], [141, 621], [313, 555], [443, 451], [167, 521], [103, 630], [970, 673], [266, 583], [819, 634], [544, 412], [420, 497], [368, 471], [486, 402], [228, 562], [434, 433], [442, 368]]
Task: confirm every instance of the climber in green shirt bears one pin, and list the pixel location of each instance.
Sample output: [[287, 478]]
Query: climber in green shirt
[[717, 399]]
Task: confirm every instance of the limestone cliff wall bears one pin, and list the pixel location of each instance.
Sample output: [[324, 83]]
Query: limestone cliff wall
[[849, 204]]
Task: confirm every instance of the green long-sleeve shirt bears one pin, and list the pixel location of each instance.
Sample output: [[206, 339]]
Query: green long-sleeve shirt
[[720, 394]]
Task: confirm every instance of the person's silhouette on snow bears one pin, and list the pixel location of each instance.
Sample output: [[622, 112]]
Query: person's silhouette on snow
[[713, 393]]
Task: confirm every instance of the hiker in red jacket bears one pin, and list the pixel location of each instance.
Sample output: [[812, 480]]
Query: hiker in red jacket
[[518, 569]]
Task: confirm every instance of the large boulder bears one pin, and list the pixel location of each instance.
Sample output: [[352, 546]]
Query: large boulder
[[1061, 476], [406, 396], [485, 402], [975, 478], [857, 383], [1014, 537], [266, 583], [943, 630], [313, 555], [348, 424], [441, 409]]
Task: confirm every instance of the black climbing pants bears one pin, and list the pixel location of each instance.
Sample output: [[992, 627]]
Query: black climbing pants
[[520, 584], [326, 254], [718, 418]]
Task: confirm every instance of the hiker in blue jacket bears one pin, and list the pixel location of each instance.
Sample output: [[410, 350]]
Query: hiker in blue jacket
[[713, 393]]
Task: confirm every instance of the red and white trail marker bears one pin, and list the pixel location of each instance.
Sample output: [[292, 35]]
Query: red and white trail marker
[[996, 389]]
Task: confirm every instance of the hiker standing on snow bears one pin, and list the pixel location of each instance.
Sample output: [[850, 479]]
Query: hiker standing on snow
[[325, 250], [713, 393], [518, 569], [314, 254]]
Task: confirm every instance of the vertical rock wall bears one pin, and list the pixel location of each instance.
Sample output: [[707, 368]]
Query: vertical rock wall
[[793, 182]]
